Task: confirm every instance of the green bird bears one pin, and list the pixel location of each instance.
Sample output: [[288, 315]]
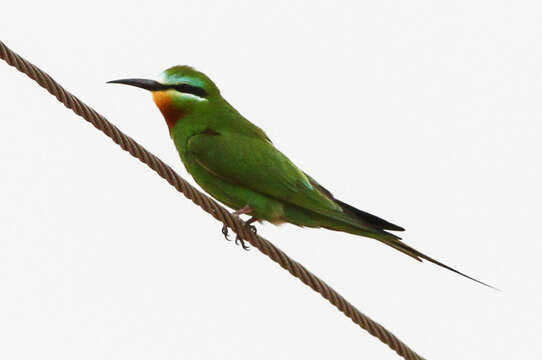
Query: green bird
[[235, 162]]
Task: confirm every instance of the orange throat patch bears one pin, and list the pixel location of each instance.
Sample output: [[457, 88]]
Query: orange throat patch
[[171, 113]]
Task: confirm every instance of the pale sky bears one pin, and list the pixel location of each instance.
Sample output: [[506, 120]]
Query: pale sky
[[425, 113]]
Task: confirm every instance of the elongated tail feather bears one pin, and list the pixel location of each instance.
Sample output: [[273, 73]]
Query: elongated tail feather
[[362, 223], [395, 242]]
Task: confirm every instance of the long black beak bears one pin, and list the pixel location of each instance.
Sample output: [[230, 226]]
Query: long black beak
[[150, 85]]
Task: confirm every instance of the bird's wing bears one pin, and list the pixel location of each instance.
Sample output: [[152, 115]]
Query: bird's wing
[[368, 219], [259, 166], [256, 164]]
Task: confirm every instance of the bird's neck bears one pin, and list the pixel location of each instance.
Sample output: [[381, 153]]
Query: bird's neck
[[171, 112]]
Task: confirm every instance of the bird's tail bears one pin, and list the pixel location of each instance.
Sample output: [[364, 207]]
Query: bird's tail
[[362, 223], [396, 243]]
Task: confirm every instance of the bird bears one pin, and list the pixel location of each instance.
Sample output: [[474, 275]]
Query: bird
[[235, 161]]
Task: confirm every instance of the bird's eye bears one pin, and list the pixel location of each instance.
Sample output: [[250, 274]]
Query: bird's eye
[[190, 89]]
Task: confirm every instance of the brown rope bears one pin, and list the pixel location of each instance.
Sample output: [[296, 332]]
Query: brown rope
[[206, 203]]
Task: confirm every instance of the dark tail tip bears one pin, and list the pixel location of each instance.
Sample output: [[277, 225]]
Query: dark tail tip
[[415, 253], [456, 271]]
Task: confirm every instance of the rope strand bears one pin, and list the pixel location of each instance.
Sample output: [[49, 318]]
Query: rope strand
[[207, 204]]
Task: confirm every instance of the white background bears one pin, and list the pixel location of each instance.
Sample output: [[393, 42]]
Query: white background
[[425, 113]]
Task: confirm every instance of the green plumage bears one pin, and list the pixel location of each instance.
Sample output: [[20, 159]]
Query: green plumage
[[234, 161]]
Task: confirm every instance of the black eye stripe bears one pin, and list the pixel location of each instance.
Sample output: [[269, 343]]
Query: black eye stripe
[[189, 89]]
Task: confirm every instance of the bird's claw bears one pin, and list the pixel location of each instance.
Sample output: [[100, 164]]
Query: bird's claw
[[225, 232], [243, 245], [238, 240]]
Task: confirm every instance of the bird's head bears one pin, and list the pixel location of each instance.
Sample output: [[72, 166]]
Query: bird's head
[[178, 91]]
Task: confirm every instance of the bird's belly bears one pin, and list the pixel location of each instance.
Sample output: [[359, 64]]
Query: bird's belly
[[236, 196]]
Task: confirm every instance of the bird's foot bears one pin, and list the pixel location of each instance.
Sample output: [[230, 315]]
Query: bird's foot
[[244, 210], [238, 240], [225, 232], [252, 227], [243, 245]]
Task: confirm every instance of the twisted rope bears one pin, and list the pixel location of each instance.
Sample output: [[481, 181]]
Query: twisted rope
[[206, 203]]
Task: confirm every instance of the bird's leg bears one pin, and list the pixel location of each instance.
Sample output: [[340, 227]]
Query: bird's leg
[[244, 210]]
